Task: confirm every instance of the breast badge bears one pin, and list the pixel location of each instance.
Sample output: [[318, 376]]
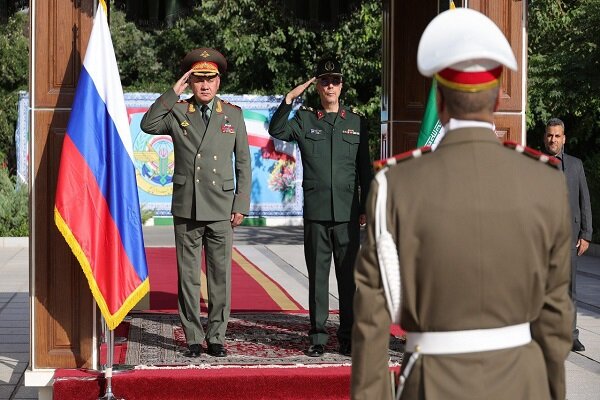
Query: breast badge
[[227, 127]]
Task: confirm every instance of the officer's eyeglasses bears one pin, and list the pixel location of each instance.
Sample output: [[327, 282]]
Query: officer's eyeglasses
[[330, 81]]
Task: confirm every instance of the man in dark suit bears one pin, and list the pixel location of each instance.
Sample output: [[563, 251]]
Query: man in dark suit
[[579, 201], [336, 172], [481, 236], [207, 201]]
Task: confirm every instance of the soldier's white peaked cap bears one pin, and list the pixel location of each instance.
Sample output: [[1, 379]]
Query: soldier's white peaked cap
[[466, 46]]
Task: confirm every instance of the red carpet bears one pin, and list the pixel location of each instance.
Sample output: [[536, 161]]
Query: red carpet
[[251, 288], [224, 384]]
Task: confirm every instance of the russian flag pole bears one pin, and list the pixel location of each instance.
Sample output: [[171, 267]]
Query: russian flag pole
[[108, 369]]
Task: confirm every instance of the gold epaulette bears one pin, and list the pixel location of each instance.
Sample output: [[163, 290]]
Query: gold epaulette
[[535, 154], [386, 162]]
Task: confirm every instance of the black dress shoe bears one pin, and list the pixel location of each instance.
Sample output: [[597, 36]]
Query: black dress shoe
[[345, 348], [577, 346], [315, 350], [216, 350], [193, 351]]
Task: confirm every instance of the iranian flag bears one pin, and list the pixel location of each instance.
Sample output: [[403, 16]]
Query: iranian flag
[[431, 131]]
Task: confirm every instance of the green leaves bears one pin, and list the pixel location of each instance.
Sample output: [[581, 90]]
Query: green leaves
[[14, 206], [563, 75], [268, 52], [14, 61]]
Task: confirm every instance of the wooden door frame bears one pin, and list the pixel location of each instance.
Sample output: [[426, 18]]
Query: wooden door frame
[[404, 91]]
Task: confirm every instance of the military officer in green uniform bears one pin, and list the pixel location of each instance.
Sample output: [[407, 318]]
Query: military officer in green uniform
[[336, 177], [208, 202]]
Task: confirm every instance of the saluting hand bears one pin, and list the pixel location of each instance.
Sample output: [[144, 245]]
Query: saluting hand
[[298, 90], [182, 83]]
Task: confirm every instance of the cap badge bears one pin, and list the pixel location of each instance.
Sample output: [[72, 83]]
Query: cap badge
[[204, 54], [329, 66]]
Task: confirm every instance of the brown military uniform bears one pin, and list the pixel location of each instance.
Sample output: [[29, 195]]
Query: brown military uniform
[[483, 237]]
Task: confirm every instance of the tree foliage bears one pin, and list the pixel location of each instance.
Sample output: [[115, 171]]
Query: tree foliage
[[564, 81], [564, 71], [270, 52], [267, 51], [14, 61], [14, 206]]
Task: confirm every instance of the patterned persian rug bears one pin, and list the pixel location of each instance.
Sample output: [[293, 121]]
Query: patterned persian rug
[[252, 339]]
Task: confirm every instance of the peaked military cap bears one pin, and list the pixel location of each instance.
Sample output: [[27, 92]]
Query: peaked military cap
[[464, 50], [204, 62], [328, 66]]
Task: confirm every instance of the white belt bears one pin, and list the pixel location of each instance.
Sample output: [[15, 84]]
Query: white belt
[[469, 341], [460, 342]]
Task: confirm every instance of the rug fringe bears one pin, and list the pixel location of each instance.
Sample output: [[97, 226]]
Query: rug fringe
[[263, 366]]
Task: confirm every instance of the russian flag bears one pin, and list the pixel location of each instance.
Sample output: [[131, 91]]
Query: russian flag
[[97, 207]]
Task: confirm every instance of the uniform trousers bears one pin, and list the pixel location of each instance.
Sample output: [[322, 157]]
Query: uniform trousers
[[321, 240], [216, 237]]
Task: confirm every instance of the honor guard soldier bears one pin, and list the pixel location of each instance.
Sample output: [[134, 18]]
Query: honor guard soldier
[[211, 193], [336, 176], [482, 245]]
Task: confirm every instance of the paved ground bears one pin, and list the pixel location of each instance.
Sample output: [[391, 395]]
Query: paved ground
[[283, 246]]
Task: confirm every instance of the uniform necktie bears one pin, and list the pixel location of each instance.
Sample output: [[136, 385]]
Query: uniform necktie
[[204, 110]]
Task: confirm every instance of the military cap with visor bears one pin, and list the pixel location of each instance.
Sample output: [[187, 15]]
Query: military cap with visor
[[329, 66], [204, 62], [464, 50]]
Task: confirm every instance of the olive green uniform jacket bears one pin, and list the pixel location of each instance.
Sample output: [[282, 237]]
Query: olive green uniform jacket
[[335, 160], [204, 188], [483, 236]]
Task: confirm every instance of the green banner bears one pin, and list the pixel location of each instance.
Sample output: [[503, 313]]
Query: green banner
[[431, 127]]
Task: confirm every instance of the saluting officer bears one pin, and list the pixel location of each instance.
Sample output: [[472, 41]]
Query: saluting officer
[[336, 177], [207, 201], [483, 242]]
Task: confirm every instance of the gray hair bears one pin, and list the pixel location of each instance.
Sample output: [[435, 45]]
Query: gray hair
[[555, 122]]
